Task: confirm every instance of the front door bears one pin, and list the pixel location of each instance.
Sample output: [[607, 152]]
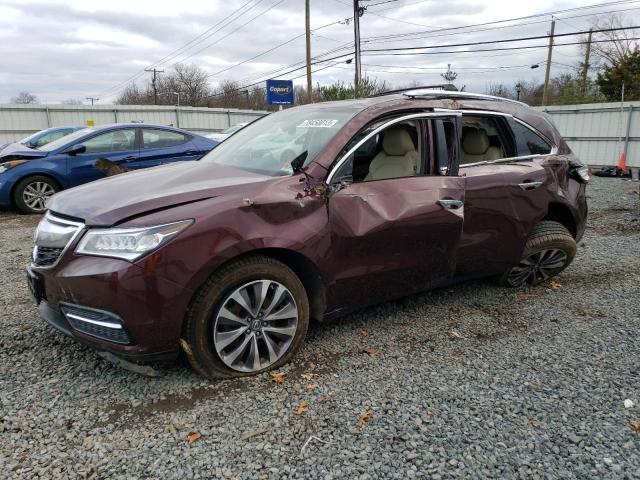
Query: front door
[[118, 146], [395, 225]]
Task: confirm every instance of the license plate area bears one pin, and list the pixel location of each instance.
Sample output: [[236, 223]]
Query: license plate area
[[36, 287]]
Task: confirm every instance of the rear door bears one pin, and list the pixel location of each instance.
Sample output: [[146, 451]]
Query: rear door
[[159, 146], [393, 236], [117, 146], [505, 197]]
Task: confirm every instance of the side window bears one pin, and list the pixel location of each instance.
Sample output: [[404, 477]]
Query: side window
[[528, 141], [113, 141], [152, 138], [394, 152], [483, 139]]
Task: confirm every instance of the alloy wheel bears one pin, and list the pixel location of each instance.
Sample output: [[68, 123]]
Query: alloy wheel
[[255, 325], [36, 194], [537, 267]]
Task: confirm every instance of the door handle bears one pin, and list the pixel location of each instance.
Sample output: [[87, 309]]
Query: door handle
[[190, 152], [530, 185], [130, 158], [451, 204]]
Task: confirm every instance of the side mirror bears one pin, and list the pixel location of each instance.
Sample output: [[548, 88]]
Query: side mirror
[[75, 149]]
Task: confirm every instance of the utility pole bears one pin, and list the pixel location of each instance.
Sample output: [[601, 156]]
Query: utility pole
[[153, 83], [545, 91], [92, 99], [308, 33], [357, 12], [585, 70]]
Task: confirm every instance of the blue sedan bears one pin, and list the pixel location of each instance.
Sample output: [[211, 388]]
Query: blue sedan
[[29, 176]]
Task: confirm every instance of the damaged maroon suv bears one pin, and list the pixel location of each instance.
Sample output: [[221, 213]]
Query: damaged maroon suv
[[306, 214]]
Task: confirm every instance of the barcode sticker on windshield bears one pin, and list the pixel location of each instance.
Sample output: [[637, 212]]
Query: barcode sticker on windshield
[[319, 123]]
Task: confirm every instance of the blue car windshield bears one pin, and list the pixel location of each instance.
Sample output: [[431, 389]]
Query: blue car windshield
[[268, 145], [66, 140]]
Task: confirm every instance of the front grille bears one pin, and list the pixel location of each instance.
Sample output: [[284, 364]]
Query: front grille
[[53, 235], [46, 256], [97, 323]]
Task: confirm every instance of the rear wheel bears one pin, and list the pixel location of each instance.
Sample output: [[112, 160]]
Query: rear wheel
[[251, 316], [31, 194], [550, 249]]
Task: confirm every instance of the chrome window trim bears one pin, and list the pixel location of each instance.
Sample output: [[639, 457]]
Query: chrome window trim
[[554, 147], [413, 116], [80, 227]]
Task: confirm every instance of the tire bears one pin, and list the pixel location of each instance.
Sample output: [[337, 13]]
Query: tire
[[550, 249], [215, 318], [31, 193]]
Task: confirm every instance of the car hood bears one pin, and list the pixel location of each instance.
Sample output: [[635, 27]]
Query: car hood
[[17, 151], [111, 200]]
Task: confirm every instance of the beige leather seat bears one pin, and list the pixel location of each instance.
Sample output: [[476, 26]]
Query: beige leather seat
[[398, 158], [477, 148]]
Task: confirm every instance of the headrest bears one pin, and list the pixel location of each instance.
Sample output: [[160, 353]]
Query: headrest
[[475, 141], [397, 142]]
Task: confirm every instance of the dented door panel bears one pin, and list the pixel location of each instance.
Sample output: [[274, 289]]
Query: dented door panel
[[503, 203], [391, 237]]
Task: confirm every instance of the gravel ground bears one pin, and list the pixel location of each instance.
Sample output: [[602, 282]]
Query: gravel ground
[[470, 381]]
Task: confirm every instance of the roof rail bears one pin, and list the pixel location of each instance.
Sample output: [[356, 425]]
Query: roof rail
[[418, 93], [444, 87]]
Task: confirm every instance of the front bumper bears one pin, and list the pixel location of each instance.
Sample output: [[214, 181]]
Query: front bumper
[[150, 308]]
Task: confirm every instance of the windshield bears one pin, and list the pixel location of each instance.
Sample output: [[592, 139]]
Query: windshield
[[33, 136], [269, 144], [68, 139]]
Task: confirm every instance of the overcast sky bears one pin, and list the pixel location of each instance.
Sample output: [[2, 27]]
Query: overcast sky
[[78, 48]]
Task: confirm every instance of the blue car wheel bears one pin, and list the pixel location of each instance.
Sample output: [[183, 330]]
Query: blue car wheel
[[32, 193]]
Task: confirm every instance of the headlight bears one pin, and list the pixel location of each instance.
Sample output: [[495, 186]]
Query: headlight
[[128, 243], [8, 165]]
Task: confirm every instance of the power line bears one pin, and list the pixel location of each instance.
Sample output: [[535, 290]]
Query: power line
[[280, 75], [205, 34], [232, 31], [495, 22], [505, 40], [497, 49], [517, 25], [271, 49]]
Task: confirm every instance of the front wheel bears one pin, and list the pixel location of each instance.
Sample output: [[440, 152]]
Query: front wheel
[[31, 194], [250, 316], [550, 249]]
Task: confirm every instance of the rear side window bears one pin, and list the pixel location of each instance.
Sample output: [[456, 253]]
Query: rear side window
[[528, 141], [152, 138]]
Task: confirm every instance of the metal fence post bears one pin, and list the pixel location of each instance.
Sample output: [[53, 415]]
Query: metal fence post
[[178, 117], [626, 138], [46, 113], [115, 115]]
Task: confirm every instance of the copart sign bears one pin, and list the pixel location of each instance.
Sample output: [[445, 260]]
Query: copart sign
[[279, 92]]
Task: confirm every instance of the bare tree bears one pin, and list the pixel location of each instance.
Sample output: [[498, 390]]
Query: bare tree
[[190, 81], [500, 90], [615, 46], [24, 98], [134, 95]]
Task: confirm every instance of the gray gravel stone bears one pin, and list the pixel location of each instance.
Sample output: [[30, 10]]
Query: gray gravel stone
[[526, 388]]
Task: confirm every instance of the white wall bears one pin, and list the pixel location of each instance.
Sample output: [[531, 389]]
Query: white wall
[[19, 121], [594, 131]]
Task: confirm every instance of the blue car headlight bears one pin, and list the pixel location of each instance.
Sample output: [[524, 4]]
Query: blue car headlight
[[9, 165]]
